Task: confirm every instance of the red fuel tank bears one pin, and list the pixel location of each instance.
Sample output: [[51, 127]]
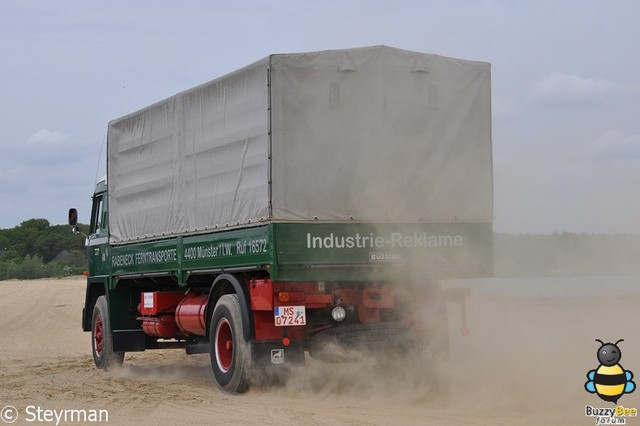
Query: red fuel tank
[[160, 326], [190, 314]]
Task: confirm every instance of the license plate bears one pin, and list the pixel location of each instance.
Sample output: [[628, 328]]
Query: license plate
[[289, 315]]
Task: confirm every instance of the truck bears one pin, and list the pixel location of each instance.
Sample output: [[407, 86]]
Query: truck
[[303, 203]]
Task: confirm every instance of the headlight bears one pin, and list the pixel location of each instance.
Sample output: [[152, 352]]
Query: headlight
[[338, 313]]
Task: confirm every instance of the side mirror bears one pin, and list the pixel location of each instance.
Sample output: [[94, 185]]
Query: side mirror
[[73, 221], [73, 217]]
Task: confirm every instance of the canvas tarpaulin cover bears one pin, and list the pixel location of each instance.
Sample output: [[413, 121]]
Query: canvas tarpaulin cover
[[367, 134]]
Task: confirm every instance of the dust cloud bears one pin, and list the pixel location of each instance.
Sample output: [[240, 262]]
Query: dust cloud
[[531, 343]]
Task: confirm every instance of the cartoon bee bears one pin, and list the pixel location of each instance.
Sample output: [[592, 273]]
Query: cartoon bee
[[609, 381]]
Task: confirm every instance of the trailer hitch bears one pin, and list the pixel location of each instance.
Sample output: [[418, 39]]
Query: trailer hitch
[[458, 296]]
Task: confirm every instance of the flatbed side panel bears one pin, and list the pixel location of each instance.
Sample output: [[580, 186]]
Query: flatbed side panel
[[356, 251], [146, 258], [233, 249], [239, 248]]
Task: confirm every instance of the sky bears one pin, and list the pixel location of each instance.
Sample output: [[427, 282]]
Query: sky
[[565, 89]]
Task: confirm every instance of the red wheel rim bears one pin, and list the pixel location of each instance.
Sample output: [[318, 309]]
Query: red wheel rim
[[224, 345], [98, 337]]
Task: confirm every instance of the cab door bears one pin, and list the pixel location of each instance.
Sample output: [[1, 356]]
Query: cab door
[[98, 241]]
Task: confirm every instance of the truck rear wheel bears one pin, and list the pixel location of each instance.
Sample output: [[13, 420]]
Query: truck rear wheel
[[230, 358], [101, 338]]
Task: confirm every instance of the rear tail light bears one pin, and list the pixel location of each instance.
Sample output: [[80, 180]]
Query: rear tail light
[[290, 296]]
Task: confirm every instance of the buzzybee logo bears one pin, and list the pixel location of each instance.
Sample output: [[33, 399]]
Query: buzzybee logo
[[609, 381]]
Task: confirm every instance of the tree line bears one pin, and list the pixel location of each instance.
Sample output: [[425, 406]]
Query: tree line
[[37, 249]]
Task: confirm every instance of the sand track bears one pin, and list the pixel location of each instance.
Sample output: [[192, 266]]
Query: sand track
[[524, 363]]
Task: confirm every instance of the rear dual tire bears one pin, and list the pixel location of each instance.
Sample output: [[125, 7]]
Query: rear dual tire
[[230, 355]]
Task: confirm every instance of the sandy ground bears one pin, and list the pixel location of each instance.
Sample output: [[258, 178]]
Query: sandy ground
[[524, 363]]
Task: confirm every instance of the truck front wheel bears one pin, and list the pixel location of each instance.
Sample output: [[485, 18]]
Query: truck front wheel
[[101, 339], [230, 358]]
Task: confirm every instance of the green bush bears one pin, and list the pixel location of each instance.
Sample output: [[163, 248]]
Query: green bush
[[3, 270], [61, 269], [30, 268]]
